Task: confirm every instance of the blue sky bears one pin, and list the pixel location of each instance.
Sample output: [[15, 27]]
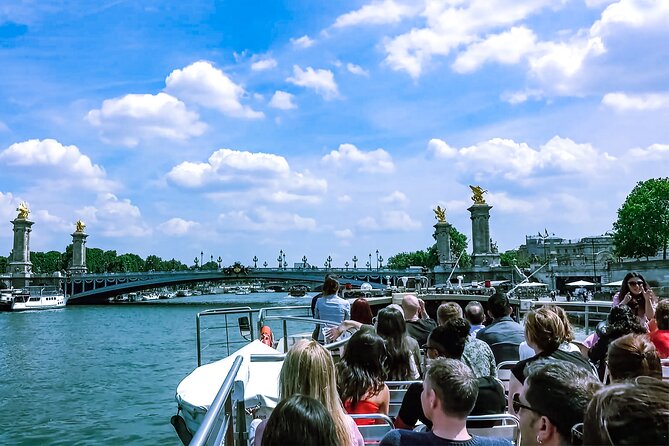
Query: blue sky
[[325, 128]]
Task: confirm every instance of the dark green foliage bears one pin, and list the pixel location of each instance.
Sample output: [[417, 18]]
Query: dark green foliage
[[429, 257]]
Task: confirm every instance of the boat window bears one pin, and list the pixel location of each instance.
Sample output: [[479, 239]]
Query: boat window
[[34, 299]]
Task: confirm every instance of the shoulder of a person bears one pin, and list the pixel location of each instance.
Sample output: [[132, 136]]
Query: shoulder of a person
[[391, 438], [490, 441]]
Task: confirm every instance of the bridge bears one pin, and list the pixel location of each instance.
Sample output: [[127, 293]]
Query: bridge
[[98, 288]]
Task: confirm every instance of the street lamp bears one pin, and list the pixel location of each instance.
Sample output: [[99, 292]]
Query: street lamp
[[280, 258], [265, 264], [329, 261], [380, 262], [255, 261], [304, 261], [201, 258], [355, 262], [285, 265], [369, 263], [377, 259], [346, 265], [219, 260]]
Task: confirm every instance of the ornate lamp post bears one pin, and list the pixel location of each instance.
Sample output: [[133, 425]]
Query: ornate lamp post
[[219, 260], [201, 258], [380, 262], [280, 258], [377, 259], [265, 264], [355, 262], [304, 261], [328, 261], [285, 265], [196, 261], [255, 261], [369, 262], [346, 265]]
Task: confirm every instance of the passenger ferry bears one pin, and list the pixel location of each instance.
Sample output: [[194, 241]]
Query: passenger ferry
[[32, 298]]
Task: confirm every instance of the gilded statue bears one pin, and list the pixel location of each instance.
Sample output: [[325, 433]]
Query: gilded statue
[[477, 196], [80, 226], [23, 211], [440, 214]]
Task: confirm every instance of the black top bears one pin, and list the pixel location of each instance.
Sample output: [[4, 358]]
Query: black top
[[575, 358], [421, 329], [401, 437]]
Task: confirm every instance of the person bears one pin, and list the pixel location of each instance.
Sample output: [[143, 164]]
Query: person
[[449, 393], [419, 325], [403, 350], [553, 399], [567, 345], [361, 311], [619, 322], [634, 412], [308, 369], [266, 336], [331, 307], [545, 332], [502, 328], [361, 375], [636, 294], [633, 355], [477, 354], [475, 315], [448, 341], [300, 420], [660, 334]]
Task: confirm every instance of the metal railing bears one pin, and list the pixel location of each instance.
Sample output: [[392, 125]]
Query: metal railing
[[218, 312], [217, 428]]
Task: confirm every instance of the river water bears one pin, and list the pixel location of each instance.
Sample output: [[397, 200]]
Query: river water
[[102, 374]]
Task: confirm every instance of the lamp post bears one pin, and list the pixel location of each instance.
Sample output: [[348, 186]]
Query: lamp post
[[377, 259], [265, 264], [329, 262], [346, 265], [201, 258], [369, 263], [219, 260], [380, 262], [285, 265], [280, 258], [304, 261], [355, 262], [255, 261]]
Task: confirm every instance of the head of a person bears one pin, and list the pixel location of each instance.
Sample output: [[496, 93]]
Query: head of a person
[[633, 355], [498, 305], [450, 388], [300, 420], [474, 313], [447, 311], [308, 369], [568, 329], [390, 323], [633, 283], [662, 314], [621, 320], [633, 412], [544, 330], [448, 340], [361, 311], [330, 285], [410, 306], [553, 399], [362, 368]]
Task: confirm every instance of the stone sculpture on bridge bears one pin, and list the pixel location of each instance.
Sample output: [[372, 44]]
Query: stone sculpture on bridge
[[477, 196]]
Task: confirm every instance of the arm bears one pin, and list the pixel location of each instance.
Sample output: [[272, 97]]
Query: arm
[[651, 303], [335, 332], [514, 387], [384, 403]]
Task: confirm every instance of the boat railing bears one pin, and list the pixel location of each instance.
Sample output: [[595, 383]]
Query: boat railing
[[218, 427], [308, 320], [226, 313]]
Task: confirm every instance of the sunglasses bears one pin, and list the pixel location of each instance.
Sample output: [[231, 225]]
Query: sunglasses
[[635, 283], [577, 434], [517, 405]]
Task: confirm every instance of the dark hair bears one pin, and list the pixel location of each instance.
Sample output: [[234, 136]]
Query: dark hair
[[390, 325], [361, 370], [474, 312], [300, 420], [637, 300], [330, 285], [448, 310], [662, 314], [451, 337], [560, 391], [455, 386], [498, 305], [361, 311], [629, 413], [621, 321], [633, 355]]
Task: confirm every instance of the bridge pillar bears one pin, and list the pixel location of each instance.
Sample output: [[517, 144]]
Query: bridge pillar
[[20, 266], [442, 235], [482, 254], [78, 251]]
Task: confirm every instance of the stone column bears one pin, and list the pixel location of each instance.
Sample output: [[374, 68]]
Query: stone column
[[78, 253], [20, 266], [442, 234], [482, 254]]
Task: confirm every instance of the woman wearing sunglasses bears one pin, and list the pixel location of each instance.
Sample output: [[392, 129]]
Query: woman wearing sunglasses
[[636, 294]]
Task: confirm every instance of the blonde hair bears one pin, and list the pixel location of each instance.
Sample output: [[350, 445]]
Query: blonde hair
[[308, 369], [545, 329]]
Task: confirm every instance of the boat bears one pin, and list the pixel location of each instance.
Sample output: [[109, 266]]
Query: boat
[[242, 291], [298, 290], [32, 298], [150, 296]]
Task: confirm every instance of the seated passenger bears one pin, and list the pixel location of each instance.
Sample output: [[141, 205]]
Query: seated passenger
[[553, 399], [300, 420], [634, 412], [419, 325], [475, 314], [448, 341], [633, 355], [449, 393], [403, 350], [502, 328], [660, 336], [636, 294], [361, 373]]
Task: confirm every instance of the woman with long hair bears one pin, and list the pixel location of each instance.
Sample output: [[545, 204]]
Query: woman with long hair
[[403, 351], [361, 375], [361, 311], [301, 421], [633, 355], [636, 294], [308, 369]]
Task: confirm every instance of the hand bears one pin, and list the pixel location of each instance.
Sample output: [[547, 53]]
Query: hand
[[627, 299], [422, 312], [332, 333]]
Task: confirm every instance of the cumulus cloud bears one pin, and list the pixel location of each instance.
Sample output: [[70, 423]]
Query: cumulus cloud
[[62, 162], [390, 220], [203, 84], [511, 160], [374, 161], [263, 219], [264, 64], [636, 102], [357, 69], [378, 13], [344, 198], [654, 152], [649, 15], [320, 80], [282, 100], [508, 47], [302, 42], [114, 217], [177, 226], [396, 197], [134, 117], [8, 205], [344, 233]]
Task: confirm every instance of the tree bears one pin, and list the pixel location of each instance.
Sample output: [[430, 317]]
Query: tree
[[429, 258], [511, 257], [642, 228], [458, 245]]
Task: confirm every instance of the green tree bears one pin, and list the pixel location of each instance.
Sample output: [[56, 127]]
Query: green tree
[[131, 262], [429, 257], [95, 260], [642, 228], [46, 262], [154, 263], [4, 264], [458, 245]]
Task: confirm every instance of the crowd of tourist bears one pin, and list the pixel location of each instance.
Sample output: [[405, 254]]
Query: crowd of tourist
[[607, 390]]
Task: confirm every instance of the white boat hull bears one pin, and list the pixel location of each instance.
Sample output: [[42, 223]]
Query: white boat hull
[[13, 300]]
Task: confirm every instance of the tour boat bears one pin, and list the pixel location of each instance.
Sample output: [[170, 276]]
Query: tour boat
[[32, 298]]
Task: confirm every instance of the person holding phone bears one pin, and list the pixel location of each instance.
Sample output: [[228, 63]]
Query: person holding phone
[[636, 294]]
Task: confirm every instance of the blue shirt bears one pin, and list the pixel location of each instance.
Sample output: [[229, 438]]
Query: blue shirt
[[402, 437], [332, 308]]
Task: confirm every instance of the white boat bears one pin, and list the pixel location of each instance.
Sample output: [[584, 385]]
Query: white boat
[[242, 291], [31, 299], [150, 296]]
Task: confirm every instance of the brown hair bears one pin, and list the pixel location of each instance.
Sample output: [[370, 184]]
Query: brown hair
[[633, 355], [545, 329], [448, 310], [361, 311], [662, 314]]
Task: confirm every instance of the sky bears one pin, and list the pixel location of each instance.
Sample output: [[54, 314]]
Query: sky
[[320, 128]]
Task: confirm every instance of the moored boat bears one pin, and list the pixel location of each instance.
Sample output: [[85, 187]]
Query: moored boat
[[32, 299]]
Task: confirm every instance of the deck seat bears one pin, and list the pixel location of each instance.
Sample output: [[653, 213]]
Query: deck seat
[[504, 373], [501, 425], [373, 433], [397, 391], [505, 351]]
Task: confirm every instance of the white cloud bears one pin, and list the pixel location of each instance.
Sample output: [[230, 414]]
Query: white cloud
[[374, 161], [207, 86], [636, 102], [508, 47], [263, 219], [390, 220], [357, 69], [264, 64], [344, 233], [53, 222], [65, 163], [441, 148], [645, 14], [378, 13], [282, 100], [177, 226], [320, 80], [288, 197], [654, 152], [518, 97], [344, 198], [114, 218], [8, 205], [134, 117], [3, 127], [302, 42], [396, 197]]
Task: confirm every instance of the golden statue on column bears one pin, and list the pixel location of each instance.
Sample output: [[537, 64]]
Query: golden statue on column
[[477, 196], [80, 226], [440, 214], [23, 211]]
